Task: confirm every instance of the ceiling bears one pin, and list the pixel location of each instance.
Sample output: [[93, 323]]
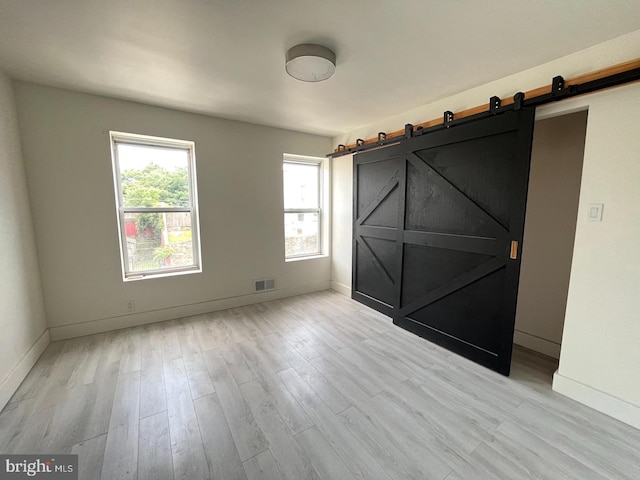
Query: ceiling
[[226, 57]]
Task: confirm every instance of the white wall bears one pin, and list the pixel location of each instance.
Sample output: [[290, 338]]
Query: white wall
[[342, 223], [23, 332], [601, 341], [549, 231], [65, 139]]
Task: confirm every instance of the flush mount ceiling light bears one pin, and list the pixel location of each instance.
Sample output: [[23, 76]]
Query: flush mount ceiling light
[[310, 63]]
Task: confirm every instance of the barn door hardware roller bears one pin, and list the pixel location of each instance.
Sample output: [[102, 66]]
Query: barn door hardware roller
[[447, 118], [381, 137], [557, 85], [518, 98], [494, 104], [359, 144], [408, 130]]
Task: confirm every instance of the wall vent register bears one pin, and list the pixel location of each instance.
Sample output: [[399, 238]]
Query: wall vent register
[[264, 284]]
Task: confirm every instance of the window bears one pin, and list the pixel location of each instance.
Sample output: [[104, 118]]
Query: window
[[303, 180], [156, 201]]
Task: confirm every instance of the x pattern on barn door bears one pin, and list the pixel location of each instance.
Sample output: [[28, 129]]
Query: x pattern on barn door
[[434, 221]]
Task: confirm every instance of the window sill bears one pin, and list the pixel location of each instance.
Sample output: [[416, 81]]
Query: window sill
[[150, 275], [306, 257]]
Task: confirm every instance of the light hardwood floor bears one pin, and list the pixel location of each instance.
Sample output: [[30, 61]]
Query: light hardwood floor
[[316, 386]]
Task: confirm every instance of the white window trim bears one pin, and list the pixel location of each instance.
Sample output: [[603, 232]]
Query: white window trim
[[121, 210], [323, 201]]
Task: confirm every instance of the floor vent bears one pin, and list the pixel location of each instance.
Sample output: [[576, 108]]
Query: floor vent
[[264, 284]]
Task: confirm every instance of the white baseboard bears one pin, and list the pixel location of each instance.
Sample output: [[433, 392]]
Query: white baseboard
[[341, 288], [603, 402], [537, 344], [116, 323], [14, 379]]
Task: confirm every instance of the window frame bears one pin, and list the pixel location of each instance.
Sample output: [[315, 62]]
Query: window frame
[[116, 138], [321, 210]]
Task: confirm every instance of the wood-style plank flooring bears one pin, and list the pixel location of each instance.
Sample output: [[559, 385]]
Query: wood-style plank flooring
[[311, 387]]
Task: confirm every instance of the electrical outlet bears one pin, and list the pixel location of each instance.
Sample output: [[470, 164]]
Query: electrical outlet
[[131, 306]]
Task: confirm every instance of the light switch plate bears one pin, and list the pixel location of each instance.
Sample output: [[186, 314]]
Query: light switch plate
[[594, 212]]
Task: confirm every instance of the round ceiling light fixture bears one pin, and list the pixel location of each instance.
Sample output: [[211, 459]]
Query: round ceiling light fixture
[[310, 63]]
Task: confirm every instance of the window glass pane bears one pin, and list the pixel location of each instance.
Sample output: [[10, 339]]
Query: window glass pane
[[153, 176], [301, 185], [301, 234], [156, 241]]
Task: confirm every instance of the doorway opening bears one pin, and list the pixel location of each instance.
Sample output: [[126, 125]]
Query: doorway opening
[[549, 234]]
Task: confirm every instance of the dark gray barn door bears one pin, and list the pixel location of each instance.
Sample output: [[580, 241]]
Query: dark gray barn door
[[438, 227]]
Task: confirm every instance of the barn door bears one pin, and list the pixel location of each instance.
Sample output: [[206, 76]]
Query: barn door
[[379, 185], [438, 233]]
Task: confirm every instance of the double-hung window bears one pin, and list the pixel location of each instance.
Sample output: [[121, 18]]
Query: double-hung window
[[303, 202], [157, 205]]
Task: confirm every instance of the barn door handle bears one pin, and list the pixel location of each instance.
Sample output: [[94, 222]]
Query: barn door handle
[[514, 250]]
